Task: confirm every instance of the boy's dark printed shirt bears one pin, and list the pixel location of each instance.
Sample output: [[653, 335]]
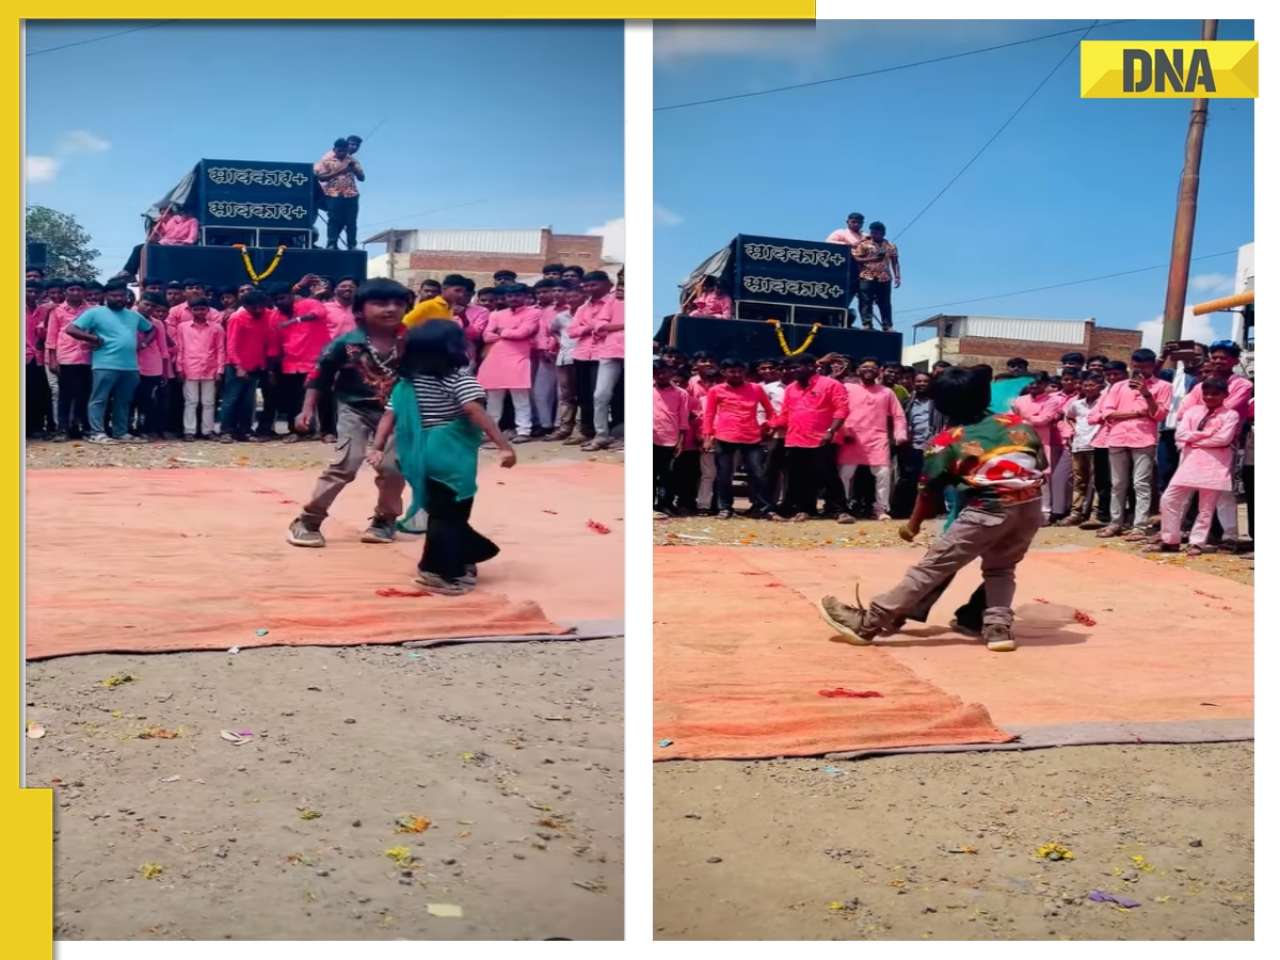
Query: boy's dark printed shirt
[[347, 369], [993, 463]]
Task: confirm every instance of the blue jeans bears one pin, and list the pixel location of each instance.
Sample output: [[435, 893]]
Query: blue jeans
[[238, 400], [117, 388]]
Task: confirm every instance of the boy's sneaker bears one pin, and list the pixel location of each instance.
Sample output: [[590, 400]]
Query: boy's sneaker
[[471, 574], [379, 531], [850, 622], [101, 438], [303, 534], [999, 638], [439, 585]]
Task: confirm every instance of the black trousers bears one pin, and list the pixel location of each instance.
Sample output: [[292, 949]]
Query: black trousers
[[686, 475], [903, 499], [451, 543], [1102, 483], [270, 387], [875, 293], [664, 493], [584, 373], [774, 468], [327, 412], [75, 383], [39, 399], [174, 405], [290, 390], [752, 457], [342, 216], [810, 470], [1167, 459], [148, 402]]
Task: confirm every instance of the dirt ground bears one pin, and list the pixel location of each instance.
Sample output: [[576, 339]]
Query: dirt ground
[[513, 752], [944, 846]]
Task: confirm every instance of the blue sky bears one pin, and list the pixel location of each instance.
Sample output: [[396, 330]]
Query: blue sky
[[507, 126], [1072, 189]]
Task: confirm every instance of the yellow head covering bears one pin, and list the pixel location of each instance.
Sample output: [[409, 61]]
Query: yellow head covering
[[434, 309]]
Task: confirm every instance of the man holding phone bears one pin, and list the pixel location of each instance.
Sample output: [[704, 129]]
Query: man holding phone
[[1181, 361], [1132, 411]]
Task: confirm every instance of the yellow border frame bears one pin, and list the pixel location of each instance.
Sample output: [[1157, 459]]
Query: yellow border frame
[[27, 814]]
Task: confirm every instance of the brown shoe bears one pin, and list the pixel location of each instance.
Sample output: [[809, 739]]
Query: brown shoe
[[851, 623], [999, 638]]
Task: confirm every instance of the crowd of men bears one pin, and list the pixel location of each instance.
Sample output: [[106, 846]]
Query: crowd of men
[[853, 436], [108, 363]]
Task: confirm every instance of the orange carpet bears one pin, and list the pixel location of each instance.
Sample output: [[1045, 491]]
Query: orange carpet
[[1169, 644], [740, 658], [162, 560]]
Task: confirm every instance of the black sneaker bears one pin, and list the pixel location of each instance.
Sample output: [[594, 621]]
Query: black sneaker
[[379, 531], [303, 534]]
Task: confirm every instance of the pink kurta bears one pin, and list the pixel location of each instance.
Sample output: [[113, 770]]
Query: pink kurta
[[670, 415], [58, 345], [589, 320], [865, 440], [1139, 432], [712, 304], [1239, 396], [152, 357], [1207, 454], [510, 335], [200, 351], [339, 319], [808, 412]]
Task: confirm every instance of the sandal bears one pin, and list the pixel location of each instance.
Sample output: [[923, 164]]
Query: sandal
[[1108, 532], [1160, 546]]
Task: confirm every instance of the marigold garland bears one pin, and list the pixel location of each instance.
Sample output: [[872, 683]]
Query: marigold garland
[[248, 264], [782, 341]]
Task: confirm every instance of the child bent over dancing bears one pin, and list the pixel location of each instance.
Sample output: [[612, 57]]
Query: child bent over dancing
[[438, 420]]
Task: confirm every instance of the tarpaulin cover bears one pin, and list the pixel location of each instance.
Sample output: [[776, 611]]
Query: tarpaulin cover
[[196, 559], [740, 652]]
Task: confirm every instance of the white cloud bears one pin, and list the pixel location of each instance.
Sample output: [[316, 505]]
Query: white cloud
[[1193, 328], [82, 141], [1213, 283], [41, 169], [662, 217], [614, 233]]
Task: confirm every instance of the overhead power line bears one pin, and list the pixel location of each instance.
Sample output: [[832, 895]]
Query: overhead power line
[[999, 130], [105, 36], [878, 70], [1055, 286]]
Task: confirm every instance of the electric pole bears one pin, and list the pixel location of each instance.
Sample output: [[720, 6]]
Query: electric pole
[[1184, 224]]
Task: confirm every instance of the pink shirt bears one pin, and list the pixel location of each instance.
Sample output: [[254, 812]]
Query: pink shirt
[[511, 334], [1044, 413], [594, 343], [1239, 396], [176, 229], [808, 412], [339, 319], [37, 319], [58, 345], [866, 431], [1141, 431], [251, 340], [731, 412], [697, 408], [547, 340], [200, 350], [846, 236], [1207, 454], [302, 341], [712, 304], [152, 356], [670, 415]]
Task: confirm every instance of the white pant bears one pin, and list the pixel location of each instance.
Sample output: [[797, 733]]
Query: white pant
[[546, 386], [884, 483], [1057, 492], [198, 392], [706, 469], [1173, 507], [607, 376], [53, 393], [519, 400]]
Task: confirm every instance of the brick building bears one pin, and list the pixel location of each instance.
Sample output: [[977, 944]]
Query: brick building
[[963, 340], [415, 255]]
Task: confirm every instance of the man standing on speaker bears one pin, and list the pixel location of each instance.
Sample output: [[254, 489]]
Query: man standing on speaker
[[877, 261], [337, 171], [851, 234]]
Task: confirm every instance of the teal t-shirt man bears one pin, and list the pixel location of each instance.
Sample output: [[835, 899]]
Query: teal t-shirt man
[[118, 330]]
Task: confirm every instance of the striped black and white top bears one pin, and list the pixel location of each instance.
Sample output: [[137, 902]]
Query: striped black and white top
[[440, 399]]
